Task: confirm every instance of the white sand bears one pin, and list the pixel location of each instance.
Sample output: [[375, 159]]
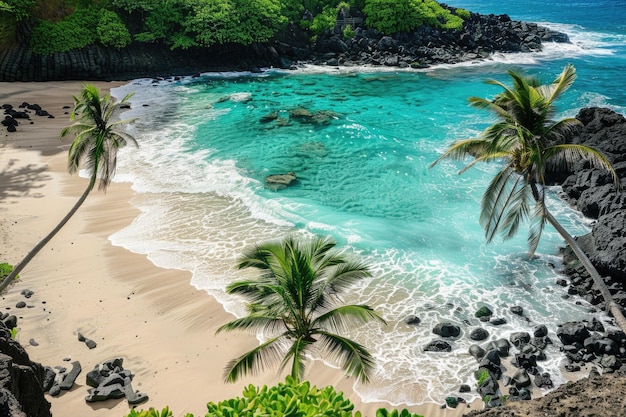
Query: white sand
[[161, 326]]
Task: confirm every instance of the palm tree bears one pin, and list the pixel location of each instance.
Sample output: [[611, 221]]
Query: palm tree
[[95, 146], [296, 301], [529, 142]]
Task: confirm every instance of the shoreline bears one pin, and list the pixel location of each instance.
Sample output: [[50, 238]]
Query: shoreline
[[153, 318]]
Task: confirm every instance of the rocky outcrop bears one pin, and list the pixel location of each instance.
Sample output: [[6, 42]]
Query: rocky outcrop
[[591, 191], [480, 36], [21, 381], [19, 63]]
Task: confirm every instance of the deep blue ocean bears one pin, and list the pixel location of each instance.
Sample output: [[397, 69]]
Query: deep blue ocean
[[364, 178]]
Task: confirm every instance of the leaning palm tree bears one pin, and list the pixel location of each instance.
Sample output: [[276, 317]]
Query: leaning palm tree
[[295, 302], [529, 141], [95, 146]]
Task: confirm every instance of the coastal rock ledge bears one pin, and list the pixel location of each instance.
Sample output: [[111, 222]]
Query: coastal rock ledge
[[481, 36]]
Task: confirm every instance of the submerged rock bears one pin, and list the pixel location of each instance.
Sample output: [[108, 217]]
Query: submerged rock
[[280, 181]]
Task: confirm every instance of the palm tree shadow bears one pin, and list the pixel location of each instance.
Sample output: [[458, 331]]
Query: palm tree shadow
[[22, 181]]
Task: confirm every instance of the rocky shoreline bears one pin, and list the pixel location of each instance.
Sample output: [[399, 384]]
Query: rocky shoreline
[[481, 36]]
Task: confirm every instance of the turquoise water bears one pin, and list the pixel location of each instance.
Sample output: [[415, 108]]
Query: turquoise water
[[363, 178]]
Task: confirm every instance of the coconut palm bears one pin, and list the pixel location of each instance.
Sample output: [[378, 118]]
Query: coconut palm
[[527, 139], [295, 302], [97, 139]]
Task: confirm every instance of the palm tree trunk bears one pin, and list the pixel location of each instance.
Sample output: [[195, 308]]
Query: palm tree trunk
[[18, 268], [611, 305]]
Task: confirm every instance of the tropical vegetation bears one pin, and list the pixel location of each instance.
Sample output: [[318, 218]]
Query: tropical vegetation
[[290, 398], [97, 138], [529, 142], [295, 302], [61, 25]]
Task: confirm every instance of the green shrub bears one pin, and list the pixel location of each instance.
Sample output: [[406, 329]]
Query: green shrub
[[285, 399], [5, 270], [111, 30], [153, 413], [324, 21], [18, 9], [76, 31], [463, 13], [382, 412], [391, 16], [348, 32], [482, 375]]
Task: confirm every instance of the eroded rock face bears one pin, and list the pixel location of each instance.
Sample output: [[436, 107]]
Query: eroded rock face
[[21, 381], [592, 191]]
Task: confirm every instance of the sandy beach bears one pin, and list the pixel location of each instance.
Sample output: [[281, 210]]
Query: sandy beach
[[153, 318]]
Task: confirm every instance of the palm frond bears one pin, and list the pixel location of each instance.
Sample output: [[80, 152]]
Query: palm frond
[[537, 226], [254, 322], [560, 85], [564, 156], [343, 318], [494, 203], [353, 358], [517, 210], [266, 354], [464, 148], [295, 355]]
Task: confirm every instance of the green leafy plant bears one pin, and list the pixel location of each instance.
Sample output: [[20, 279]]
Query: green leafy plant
[[289, 398], [383, 412], [391, 16], [111, 30], [348, 32], [76, 31], [166, 412], [19, 9], [14, 332], [285, 399], [482, 375], [5, 270], [463, 13]]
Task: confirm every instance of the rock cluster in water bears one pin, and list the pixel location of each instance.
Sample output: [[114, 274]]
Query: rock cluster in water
[[511, 367]]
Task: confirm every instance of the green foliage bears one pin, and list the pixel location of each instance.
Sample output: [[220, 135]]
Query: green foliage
[[285, 399], [5, 270], [166, 23], [348, 32], [482, 376], [391, 16], [111, 30], [463, 13], [383, 412], [76, 31], [19, 9], [14, 332], [166, 412], [324, 21], [132, 5], [296, 302]]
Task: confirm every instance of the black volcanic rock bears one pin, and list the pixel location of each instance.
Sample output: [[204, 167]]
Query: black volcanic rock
[[21, 381]]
